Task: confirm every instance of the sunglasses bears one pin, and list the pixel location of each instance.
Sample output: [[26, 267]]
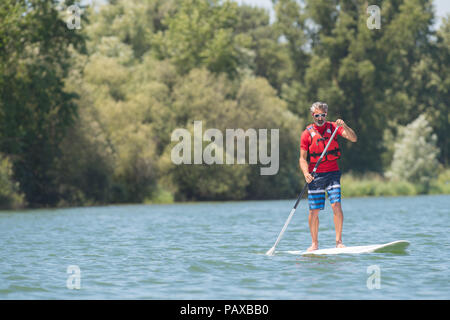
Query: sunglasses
[[323, 115]]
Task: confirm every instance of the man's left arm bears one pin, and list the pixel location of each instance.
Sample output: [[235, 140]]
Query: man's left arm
[[347, 133]]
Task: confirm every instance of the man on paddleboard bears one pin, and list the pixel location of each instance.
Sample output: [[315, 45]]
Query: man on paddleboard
[[327, 176]]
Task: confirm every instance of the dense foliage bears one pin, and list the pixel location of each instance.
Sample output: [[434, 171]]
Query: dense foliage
[[86, 115]]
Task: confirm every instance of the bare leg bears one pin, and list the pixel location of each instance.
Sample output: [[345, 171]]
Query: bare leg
[[338, 223], [313, 220]]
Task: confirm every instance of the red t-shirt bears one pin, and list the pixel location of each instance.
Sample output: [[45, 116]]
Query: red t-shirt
[[305, 141]]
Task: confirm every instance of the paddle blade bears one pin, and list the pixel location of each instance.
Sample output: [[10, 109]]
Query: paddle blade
[[270, 252]]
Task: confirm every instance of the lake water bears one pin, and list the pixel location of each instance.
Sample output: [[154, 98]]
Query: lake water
[[216, 251]]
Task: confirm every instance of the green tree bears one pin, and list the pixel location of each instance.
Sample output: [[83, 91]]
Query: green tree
[[117, 112], [35, 111], [10, 196], [364, 75], [416, 154], [430, 85], [133, 22], [257, 103], [202, 95], [267, 57], [291, 24], [200, 34], [441, 117]]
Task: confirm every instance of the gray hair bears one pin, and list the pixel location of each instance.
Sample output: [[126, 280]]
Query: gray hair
[[319, 105]]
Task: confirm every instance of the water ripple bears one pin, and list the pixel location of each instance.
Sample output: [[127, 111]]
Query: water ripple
[[217, 251]]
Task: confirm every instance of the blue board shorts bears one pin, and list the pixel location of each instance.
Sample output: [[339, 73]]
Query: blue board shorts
[[324, 181]]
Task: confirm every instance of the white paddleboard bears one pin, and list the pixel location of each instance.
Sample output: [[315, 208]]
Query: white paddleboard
[[396, 246]]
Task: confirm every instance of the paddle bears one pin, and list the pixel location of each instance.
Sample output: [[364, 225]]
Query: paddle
[[272, 250]]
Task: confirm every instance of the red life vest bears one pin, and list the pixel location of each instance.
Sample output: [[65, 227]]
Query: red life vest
[[318, 143]]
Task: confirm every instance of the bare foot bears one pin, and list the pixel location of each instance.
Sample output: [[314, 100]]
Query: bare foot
[[339, 244], [313, 247]]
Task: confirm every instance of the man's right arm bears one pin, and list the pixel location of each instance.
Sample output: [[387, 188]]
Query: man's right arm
[[303, 162], [304, 166]]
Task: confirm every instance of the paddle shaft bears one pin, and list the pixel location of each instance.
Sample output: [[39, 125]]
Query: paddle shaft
[[291, 214]]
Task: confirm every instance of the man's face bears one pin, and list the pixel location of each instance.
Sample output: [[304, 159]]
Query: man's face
[[319, 117]]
